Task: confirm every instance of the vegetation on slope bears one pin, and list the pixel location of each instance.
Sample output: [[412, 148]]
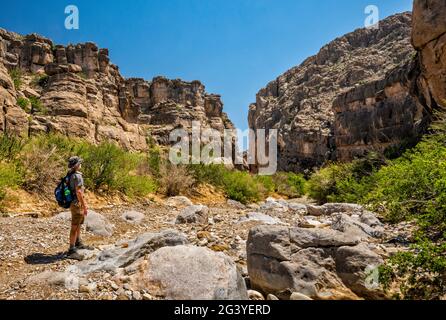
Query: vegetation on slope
[[37, 164], [412, 187]]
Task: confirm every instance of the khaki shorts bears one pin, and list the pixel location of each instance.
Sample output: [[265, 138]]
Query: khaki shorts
[[77, 217]]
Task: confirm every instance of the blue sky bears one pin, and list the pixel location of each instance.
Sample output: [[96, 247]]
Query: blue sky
[[235, 47]]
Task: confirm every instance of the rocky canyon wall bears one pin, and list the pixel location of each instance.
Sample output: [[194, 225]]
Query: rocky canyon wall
[[429, 38], [76, 91], [354, 96]]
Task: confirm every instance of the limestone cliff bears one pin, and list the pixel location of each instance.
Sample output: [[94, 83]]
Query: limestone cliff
[[353, 96], [429, 38], [75, 90]]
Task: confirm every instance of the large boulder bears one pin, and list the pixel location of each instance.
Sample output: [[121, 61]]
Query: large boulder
[[330, 208], [283, 260], [125, 254], [95, 222], [354, 227], [193, 214], [358, 268], [99, 225], [190, 273], [133, 217], [179, 202]]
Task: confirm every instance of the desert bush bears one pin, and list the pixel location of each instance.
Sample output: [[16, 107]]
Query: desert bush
[[237, 185], [154, 161], [10, 147], [37, 106], [41, 80], [42, 167], [103, 165], [345, 182], [421, 272], [24, 104], [10, 177], [17, 77], [289, 184], [241, 186], [175, 180], [411, 187]]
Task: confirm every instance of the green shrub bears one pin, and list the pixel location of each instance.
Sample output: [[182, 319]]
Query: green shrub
[[24, 104], [137, 186], [10, 147], [345, 182], [41, 80], [37, 106], [414, 185], [421, 271], [238, 185], [267, 184], [175, 180], [17, 77], [42, 164], [241, 186], [289, 184], [102, 165], [154, 161], [10, 177]]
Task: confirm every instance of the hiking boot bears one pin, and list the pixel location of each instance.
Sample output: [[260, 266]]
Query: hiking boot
[[82, 246], [72, 254]]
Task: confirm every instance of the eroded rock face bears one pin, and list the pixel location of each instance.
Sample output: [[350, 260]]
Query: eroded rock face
[[379, 114], [83, 95], [429, 38], [190, 273], [300, 102], [320, 263]]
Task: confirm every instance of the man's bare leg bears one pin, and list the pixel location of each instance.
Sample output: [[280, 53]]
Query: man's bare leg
[[74, 234]]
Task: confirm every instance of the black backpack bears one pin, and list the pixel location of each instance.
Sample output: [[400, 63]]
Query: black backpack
[[63, 193]]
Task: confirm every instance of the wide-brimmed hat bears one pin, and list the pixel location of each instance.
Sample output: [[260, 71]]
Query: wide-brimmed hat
[[74, 161]]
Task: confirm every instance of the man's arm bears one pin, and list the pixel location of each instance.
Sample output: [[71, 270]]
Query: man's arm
[[81, 199]]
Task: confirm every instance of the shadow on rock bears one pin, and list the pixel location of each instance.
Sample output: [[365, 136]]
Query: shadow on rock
[[41, 258]]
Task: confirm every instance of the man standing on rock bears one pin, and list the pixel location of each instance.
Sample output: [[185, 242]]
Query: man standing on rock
[[78, 207]]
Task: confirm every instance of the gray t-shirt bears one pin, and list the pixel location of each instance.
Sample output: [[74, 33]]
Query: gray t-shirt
[[76, 181]]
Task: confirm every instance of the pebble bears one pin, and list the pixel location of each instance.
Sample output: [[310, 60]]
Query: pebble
[[136, 295], [255, 295], [296, 296], [147, 296]]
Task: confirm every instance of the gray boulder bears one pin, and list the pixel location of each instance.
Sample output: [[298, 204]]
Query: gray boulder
[[236, 204], [272, 204], [354, 227], [124, 255], [179, 202], [283, 260], [98, 224], [330, 208], [260, 217], [370, 219], [193, 214], [358, 268], [95, 223], [190, 273], [318, 263], [305, 238], [133, 217]]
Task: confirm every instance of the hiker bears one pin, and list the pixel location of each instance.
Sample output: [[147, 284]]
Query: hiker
[[78, 207]]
